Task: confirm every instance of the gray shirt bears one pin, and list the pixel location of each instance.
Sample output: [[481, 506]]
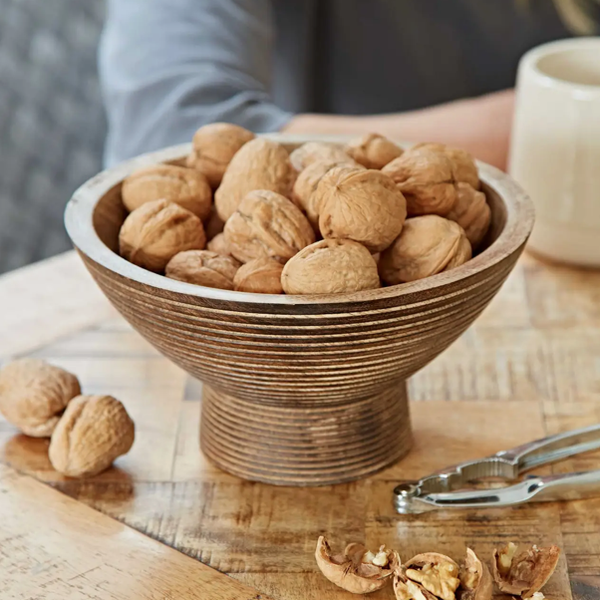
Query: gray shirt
[[169, 66]]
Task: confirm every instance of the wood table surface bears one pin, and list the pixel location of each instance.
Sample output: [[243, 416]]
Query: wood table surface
[[529, 367]]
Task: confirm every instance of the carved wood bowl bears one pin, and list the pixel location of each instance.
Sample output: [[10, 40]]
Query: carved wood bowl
[[299, 390]]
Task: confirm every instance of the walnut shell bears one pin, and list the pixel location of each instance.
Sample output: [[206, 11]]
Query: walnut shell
[[92, 433], [311, 152], [156, 231], [261, 164], [203, 267], [186, 187], [462, 255], [360, 205], [426, 180], [475, 579], [219, 245], [523, 570], [267, 224], [464, 167], [471, 212], [356, 570], [33, 395], [425, 247], [434, 572], [214, 146], [261, 276], [306, 185], [373, 150], [330, 267]]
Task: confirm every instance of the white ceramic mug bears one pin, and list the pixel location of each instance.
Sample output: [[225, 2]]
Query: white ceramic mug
[[555, 147]]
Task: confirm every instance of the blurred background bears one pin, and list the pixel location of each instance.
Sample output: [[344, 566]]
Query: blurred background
[[52, 123]]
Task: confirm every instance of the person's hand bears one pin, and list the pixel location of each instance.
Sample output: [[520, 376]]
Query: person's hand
[[480, 125]]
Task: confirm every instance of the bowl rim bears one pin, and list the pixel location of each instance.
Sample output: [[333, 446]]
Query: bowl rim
[[80, 228]]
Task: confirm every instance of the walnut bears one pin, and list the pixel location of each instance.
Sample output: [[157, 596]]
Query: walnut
[[426, 246], [306, 185], [436, 573], [464, 167], [186, 187], [214, 146], [203, 267], [156, 231], [471, 212], [361, 205], [219, 245], [330, 267], [261, 164], [261, 276], [33, 395], [475, 579], [373, 151], [523, 570], [93, 431], [311, 152], [426, 180], [267, 225], [462, 255], [356, 570]]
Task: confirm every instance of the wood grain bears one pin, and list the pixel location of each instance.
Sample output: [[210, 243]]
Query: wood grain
[[52, 547], [528, 367], [277, 364]]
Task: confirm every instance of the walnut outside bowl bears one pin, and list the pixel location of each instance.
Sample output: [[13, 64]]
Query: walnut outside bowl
[[299, 390]]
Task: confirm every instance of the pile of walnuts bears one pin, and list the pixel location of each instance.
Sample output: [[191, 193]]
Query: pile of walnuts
[[246, 215], [520, 570], [87, 433]]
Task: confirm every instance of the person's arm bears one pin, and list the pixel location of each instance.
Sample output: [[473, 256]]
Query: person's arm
[[479, 125], [168, 67]]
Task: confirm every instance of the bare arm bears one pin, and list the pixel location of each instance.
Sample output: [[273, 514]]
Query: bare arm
[[480, 125]]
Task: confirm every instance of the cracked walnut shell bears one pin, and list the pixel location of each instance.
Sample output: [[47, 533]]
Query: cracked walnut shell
[[356, 570], [203, 267], [260, 164], [186, 187], [523, 570], [464, 167], [33, 395], [155, 232], [260, 276], [214, 146], [91, 434], [471, 212], [330, 266], [373, 150], [360, 205], [269, 225], [312, 152], [427, 245], [475, 579], [426, 179]]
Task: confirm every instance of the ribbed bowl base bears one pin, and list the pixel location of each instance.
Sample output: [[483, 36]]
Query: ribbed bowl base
[[305, 446]]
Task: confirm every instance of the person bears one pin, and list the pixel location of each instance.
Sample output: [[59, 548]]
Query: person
[[433, 70]]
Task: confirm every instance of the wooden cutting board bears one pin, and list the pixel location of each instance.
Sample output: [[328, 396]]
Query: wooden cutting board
[[529, 367]]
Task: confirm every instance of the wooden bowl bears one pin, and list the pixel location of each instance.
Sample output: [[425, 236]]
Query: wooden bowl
[[299, 390]]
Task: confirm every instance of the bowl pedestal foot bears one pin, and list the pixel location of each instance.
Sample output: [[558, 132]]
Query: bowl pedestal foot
[[305, 444]]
